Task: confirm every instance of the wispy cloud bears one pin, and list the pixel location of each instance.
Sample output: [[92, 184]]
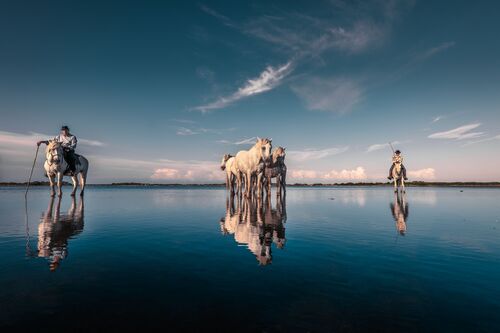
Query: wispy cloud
[[270, 78], [29, 139], [459, 133], [315, 154], [380, 146], [248, 141], [433, 51], [187, 131], [437, 118], [333, 95], [493, 138]]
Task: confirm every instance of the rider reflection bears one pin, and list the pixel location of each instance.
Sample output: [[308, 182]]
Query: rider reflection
[[400, 212], [55, 229], [256, 224]]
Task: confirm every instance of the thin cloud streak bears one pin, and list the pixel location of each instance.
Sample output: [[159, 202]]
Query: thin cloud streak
[[459, 133], [269, 79]]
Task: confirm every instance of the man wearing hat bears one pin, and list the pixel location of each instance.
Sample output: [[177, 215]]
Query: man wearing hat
[[397, 158], [68, 141]]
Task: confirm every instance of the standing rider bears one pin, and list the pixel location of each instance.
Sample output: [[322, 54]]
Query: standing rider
[[68, 141], [397, 158]]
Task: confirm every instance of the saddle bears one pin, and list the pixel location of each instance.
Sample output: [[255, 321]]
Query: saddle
[[76, 161]]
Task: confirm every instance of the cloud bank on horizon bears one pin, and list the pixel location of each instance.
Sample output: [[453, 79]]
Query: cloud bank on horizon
[[333, 82]]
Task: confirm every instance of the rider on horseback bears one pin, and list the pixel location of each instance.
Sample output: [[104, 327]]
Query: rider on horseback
[[68, 141], [397, 158]]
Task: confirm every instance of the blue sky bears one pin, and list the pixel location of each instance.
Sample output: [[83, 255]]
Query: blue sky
[[159, 91]]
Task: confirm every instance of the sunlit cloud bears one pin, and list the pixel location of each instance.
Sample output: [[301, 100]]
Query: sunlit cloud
[[423, 174], [267, 80], [354, 174]]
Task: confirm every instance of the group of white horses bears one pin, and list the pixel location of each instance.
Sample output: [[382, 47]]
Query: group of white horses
[[250, 171], [247, 172]]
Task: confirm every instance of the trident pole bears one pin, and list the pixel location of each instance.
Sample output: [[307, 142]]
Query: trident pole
[[31, 173]]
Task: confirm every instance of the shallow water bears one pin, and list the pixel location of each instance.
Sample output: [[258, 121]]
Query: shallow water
[[324, 259]]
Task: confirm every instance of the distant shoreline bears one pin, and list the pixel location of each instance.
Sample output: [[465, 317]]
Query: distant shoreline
[[359, 184]]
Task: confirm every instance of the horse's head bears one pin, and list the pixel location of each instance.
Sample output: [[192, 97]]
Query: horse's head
[[224, 160], [264, 147], [54, 152], [279, 155]]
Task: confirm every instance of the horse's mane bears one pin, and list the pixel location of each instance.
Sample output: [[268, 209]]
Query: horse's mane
[[279, 152], [52, 144]]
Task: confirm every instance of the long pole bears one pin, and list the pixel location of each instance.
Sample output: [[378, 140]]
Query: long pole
[[390, 144], [31, 173]]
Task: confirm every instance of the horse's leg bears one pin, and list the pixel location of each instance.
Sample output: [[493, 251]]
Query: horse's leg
[[74, 180], [259, 185], [83, 181], [51, 182], [248, 185], [59, 183], [395, 179], [402, 184]]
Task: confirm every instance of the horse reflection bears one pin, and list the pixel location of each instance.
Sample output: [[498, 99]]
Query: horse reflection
[[55, 229], [400, 212], [257, 224]]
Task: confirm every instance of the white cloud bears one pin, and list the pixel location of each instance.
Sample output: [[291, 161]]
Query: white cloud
[[354, 174], [333, 95], [187, 170], [423, 174], [267, 80], [459, 133], [315, 154]]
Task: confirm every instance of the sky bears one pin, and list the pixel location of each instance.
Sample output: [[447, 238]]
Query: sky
[[158, 91]]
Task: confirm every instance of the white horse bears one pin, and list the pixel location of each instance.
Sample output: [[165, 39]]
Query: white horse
[[249, 163], [276, 168], [228, 164], [397, 176], [56, 167]]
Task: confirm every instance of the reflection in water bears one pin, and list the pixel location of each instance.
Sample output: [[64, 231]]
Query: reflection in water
[[256, 224], [55, 229], [400, 212]]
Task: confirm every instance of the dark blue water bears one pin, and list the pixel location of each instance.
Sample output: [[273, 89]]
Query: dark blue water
[[323, 260]]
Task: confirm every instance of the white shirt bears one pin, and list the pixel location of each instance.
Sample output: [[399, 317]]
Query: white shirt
[[69, 141]]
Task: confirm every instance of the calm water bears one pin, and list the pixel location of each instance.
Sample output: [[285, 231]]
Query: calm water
[[343, 259]]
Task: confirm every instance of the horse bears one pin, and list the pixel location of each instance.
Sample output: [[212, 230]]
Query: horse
[[256, 224], [276, 169], [400, 212], [397, 176], [228, 165], [55, 230], [56, 166], [249, 163]]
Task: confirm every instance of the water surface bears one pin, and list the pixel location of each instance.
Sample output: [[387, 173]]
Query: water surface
[[324, 259]]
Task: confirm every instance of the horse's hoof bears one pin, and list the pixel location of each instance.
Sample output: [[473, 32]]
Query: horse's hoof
[[52, 195], [73, 194]]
